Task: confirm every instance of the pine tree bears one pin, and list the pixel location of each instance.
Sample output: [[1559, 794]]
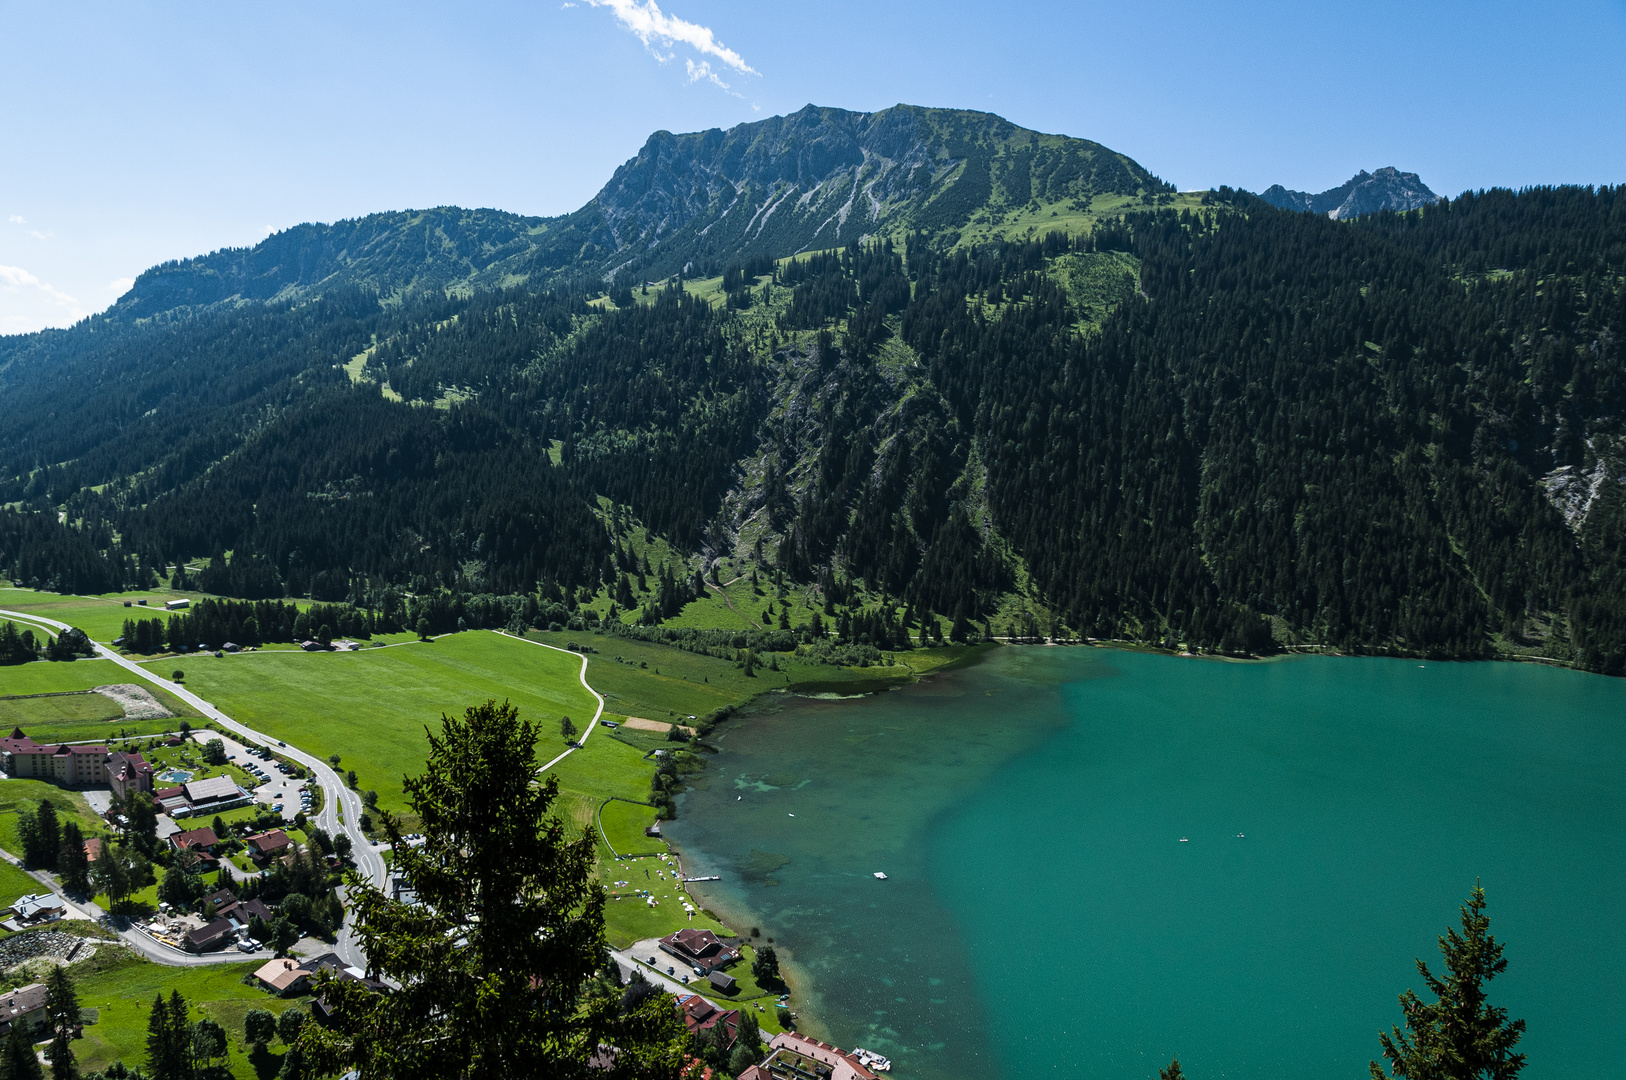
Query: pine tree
[[72, 863], [62, 1014], [505, 999], [17, 1060], [1459, 1036]]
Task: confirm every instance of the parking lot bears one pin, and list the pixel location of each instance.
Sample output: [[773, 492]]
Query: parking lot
[[276, 787]]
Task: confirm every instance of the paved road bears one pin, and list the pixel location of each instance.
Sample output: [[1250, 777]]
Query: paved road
[[138, 941], [582, 675], [341, 807]]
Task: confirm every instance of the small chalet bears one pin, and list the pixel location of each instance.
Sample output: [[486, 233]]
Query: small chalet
[[93, 849], [216, 935], [701, 1015], [699, 949], [40, 908], [282, 976], [201, 840], [262, 846], [25, 1006]]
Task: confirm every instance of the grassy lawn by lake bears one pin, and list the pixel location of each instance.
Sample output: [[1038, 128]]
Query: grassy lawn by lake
[[371, 707], [122, 987], [623, 824]]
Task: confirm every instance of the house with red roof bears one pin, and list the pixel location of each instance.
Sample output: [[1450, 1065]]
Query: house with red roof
[[701, 1015]]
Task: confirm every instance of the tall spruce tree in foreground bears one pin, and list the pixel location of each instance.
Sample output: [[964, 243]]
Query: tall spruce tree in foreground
[[493, 962], [62, 1014], [1460, 1036], [17, 1059], [169, 1039]]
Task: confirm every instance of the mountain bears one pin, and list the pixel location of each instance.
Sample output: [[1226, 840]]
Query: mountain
[[1363, 193], [1177, 419], [690, 204]]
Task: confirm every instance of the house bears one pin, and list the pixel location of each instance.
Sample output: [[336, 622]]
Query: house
[[215, 935], [723, 981], [203, 840], [68, 765], [321, 1011], [172, 800], [24, 1005], [653, 829], [262, 846], [230, 646], [221, 899], [699, 949], [797, 1057], [40, 908], [93, 849], [311, 646], [177, 604], [128, 773], [282, 976], [701, 1015], [245, 912]]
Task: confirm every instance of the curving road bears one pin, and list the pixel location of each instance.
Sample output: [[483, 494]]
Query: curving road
[[336, 797]]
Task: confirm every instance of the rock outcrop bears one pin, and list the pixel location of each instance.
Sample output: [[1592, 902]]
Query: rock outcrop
[[1363, 193]]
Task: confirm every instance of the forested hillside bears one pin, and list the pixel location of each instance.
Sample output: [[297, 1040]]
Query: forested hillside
[[1212, 424]]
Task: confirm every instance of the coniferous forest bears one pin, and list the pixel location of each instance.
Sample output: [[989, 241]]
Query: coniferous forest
[[1217, 425]]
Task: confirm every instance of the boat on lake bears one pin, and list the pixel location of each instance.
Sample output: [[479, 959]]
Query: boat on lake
[[880, 875]]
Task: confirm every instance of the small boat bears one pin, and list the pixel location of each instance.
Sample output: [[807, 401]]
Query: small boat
[[790, 815], [880, 875], [872, 1060], [1183, 840], [1239, 836]]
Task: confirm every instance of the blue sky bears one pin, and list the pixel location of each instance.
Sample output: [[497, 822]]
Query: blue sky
[[138, 132]]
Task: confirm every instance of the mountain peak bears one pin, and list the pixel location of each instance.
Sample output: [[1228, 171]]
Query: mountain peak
[[1364, 193]]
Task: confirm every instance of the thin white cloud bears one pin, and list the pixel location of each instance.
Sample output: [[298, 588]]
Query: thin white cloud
[[17, 219], [19, 282], [649, 24], [120, 286], [702, 71]]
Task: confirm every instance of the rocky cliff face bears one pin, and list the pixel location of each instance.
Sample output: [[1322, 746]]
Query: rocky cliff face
[[818, 178], [1363, 193]]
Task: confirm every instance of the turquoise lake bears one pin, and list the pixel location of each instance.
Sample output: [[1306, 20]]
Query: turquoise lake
[[1042, 917]]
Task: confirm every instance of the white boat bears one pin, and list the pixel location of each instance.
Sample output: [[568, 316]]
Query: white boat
[[1183, 840], [880, 875], [871, 1060]]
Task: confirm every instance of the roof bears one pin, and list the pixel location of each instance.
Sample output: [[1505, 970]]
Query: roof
[[33, 906], [281, 974], [700, 1014], [702, 946], [267, 842], [22, 1001], [204, 837], [242, 914], [169, 793], [212, 932], [211, 787], [93, 849], [819, 1051], [221, 898]]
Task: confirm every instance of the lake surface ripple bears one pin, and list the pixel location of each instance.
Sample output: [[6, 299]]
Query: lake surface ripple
[[1042, 915]]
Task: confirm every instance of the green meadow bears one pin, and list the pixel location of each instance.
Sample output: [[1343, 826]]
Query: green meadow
[[18, 795], [372, 707], [121, 987]]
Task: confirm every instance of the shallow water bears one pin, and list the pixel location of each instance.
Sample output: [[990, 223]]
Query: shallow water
[[1041, 915]]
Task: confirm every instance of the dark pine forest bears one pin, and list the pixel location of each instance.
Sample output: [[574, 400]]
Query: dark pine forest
[[1222, 426]]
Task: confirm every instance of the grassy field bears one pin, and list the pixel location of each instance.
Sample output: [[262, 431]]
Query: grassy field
[[68, 708], [371, 707], [17, 795], [102, 617], [623, 823], [47, 677], [14, 883], [122, 987]]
